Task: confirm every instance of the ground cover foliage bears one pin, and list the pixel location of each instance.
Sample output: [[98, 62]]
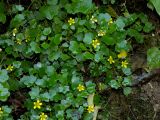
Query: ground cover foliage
[[57, 55]]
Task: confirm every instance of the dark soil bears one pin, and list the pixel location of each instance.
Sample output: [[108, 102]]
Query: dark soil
[[143, 104]]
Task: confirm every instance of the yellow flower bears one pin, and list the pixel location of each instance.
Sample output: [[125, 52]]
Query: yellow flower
[[71, 21], [27, 39], [1, 111], [110, 60], [93, 19], [19, 41], [14, 31], [90, 108], [95, 43], [9, 68], [101, 33], [80, 87], [122, 54], [110, 21], [43, 116], [124, 64], [37, 104]]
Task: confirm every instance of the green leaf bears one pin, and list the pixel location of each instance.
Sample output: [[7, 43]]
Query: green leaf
[[131, 18], [17, 20], [4, 93], [65, 26], [53, 92], [82, 22], [7, 110], [52, 2], [2, 13], [17, 8], [28, 80], [53, 80], [133, 33], [74, 47], [60, 115], [148, 27], [150, 5], [88, 55], [38, 65], [2, 7], [66, 103], [83, 47], [3, 75], [40, 82], [153, 58], [34, 93], [88, 38], [50, 70], [97, 99], [114, 84], [20, 36], [54, 55], [127, 81], [47, 31], [105, 50], [90, 87], [45, 96], [83, 94], [122, 45], [104, 17], [45, 45], [127, 91], [13, 84], [65, 57], [98, 56], [64, 76], [16, 64], [156, 4], [63, 89], [35, 47], [41, 37], [57, 39], [138, 26], [75, 80], [2, 18], [88, 116], [82, 6], [108, 40], [127, 71], [120, 23], [49, 11], [113, 1], [78, 114]]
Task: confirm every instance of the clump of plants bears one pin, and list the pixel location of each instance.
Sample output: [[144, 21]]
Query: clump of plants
[[63, 52]]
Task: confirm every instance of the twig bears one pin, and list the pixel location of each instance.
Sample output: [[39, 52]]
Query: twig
[[96, 108], [132, 113]]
